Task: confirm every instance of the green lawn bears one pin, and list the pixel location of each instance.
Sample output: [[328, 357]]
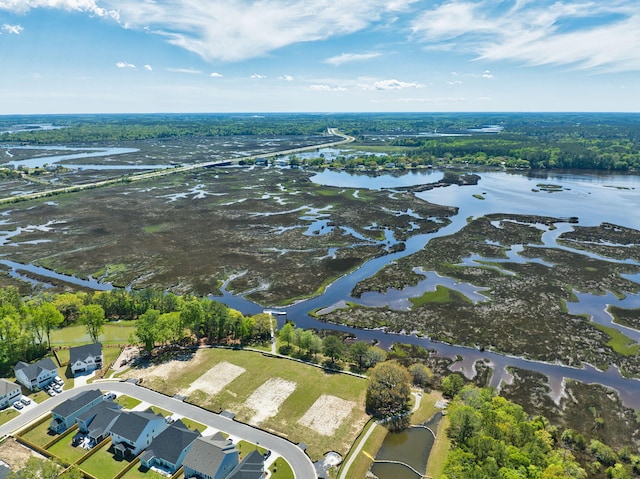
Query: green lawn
[[40, 434], [440, 450], [65, 451], [280, 469], [102, 464], [137, 473], [8, 414], [127, 402], [442, 294], [363, 461]]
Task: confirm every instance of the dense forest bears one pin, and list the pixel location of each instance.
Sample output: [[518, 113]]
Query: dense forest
[[602, 141]]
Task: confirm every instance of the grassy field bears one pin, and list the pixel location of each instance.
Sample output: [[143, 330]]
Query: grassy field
[[39, 435], [620, 343], [65, 451], [137, 473], [7, 415], [439, 451], [311, 383], [127, 402], [363, 461], [102, 463], [114, 333]]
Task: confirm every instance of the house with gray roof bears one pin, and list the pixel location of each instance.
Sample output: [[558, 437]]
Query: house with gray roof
[[168, 450], [37, 375], [133, 431], [96, 422], [64, 415], [9, 393], [212, 457], [251, 467], [85, 358]]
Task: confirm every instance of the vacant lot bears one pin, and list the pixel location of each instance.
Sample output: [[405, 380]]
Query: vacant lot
[[280, 391]]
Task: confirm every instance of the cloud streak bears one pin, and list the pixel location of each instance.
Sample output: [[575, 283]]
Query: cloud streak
[[88, 6], [13, 29], [351, 57], [585, 34], [242, 29]]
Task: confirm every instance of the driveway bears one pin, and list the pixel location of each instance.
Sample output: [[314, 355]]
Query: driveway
[[296, 457]]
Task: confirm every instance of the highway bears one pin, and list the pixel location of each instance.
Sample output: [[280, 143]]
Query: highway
[[296, 457], [178, 169]]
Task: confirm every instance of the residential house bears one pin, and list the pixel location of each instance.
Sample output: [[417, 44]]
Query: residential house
[[9, 393], [251, 467], [133, 431], [212, 457], [85, 358], [168, 450], [97, 422], [37, 375], [64, 415]]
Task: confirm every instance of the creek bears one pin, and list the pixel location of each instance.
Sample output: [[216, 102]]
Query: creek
[[592, 198]]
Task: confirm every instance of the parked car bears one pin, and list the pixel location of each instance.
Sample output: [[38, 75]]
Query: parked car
[[59, 381], [25, 401], [109, 395], [18, 405], [57, 388]]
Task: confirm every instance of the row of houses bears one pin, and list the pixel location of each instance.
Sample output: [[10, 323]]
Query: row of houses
[[39, 375], [164, 445]]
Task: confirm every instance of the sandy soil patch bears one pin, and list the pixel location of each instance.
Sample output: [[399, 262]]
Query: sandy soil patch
[[15, 454], [168, 369], [267, 399], [326, 414], [215, 379]]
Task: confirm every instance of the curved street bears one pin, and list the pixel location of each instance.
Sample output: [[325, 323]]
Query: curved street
[[300, 463]]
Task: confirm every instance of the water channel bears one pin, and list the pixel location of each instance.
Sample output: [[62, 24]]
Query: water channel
[[592, 198]]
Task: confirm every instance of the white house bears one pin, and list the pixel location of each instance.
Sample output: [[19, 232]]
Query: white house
[[85, 358], [9, 393], [133, 431], [37, 375]]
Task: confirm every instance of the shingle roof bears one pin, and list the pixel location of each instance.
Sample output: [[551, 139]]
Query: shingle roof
[[7, 386], [130, 424], [251, 467], [103, 414], [170, 443], [72, 405], [207, 453], [82, 353], [32, 370]]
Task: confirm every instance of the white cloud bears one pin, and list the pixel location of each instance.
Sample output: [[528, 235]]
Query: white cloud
[[148, 68], [326, 88], [88, 6], [125, 65], [189, 71], [216, 75], [487, 74], [585, 33], [350, 57], [455, 82], [257, 76], [14, 29], [286, 78], [242, 29], [391, 84]]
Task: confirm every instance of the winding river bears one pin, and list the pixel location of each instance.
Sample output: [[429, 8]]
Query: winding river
[[592, 198]]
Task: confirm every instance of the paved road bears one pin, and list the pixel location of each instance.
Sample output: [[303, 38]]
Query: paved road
[[178, 169], [296, 457]]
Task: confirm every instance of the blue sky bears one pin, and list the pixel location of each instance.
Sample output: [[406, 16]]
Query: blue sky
[[93, 56]]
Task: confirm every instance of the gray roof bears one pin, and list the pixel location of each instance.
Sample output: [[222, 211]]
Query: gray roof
[[82, 353], [75, 403], [100, 417], [130, 424], [207, 453], [7, 386], [4, 471], [251, 467], [32, 370], [170, 443]]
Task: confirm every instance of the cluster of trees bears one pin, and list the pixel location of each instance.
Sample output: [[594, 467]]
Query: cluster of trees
[[309, 344], [26, 323], [493, 437]]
